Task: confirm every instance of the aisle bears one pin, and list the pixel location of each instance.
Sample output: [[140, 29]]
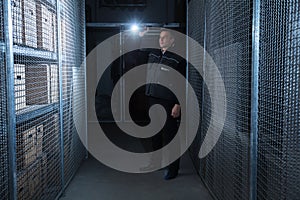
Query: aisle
[[95, 181]]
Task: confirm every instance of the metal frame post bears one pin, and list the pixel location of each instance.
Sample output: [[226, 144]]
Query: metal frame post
[[122, 80], [85, 84], [59, 55], [254, 100], [187, 69], [203, 74], [11, 126]]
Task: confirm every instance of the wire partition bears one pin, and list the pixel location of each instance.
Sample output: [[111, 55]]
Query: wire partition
[[37, 83]]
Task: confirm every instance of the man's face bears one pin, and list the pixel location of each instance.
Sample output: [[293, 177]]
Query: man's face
[[165, 40]]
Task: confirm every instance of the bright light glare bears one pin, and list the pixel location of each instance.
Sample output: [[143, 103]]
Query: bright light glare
[[134, 28]]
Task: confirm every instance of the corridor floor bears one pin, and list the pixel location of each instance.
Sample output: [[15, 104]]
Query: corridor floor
[[95, 181]]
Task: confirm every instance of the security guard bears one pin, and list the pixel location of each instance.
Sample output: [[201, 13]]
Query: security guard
[[157, 94]]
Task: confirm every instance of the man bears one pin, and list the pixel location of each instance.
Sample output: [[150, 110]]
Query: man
[[158, 94]]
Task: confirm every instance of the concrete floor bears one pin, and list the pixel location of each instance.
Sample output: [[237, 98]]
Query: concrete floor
[[96, 181]]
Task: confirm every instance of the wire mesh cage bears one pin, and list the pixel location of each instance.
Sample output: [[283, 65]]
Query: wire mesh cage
[[38, 154], [224, 30], [195, 79], [39, 81], [36, 85], [228, 39], [228, 42], [73, 79], [4, 164], [4, 157], [278, 138]]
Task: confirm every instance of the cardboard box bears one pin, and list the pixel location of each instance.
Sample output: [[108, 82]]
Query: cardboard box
[[34, 180], [44, 164], [54, 28], [44, 170], [67, 76], [39, 139], [26, 148], [29, 183], [63, 34], [36, 84], [17, 18], [19, 86], [22, 185], [54, 83], [41, 84], [30, 26], [45, 28]]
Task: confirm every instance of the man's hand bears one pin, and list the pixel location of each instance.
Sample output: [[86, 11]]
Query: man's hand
[[145, 30], [176, 111]]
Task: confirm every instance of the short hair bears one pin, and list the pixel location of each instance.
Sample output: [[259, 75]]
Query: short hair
[[169, 31]]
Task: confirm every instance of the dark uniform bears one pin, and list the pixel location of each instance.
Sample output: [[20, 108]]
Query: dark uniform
[[158, 94]]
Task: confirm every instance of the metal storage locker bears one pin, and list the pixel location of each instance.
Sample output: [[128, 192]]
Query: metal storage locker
[[223, 28], [279, 96], [35, 67], [256, 47]]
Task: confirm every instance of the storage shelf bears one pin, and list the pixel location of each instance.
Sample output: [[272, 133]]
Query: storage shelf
[[33, 111], [36, 53], [31, 52]]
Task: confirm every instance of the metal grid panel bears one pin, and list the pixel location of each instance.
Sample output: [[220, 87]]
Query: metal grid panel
[[36, 99], [36, 86], [196, 28], [4, 177], [279, 108], [38, 163], [228, 41], [3, 135], [73, 54], [1, 22]]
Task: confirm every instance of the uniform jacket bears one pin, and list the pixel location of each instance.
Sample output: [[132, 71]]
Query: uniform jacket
[[156, 72]]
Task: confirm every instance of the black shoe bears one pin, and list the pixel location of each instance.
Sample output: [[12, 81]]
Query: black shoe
[[168, 175]]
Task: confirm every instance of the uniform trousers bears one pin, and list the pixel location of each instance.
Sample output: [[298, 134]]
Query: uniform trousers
[[167, 133]]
